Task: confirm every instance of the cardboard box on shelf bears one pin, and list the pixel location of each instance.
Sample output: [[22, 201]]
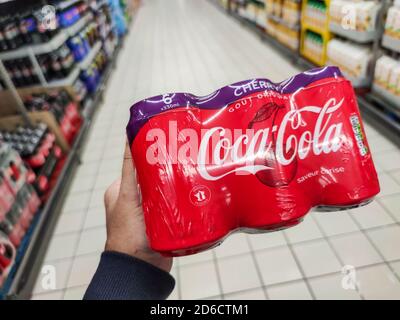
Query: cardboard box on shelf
[[13, 121], [9, 105]]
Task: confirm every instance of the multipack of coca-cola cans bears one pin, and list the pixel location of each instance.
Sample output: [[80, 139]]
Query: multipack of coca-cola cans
[[254, 156]]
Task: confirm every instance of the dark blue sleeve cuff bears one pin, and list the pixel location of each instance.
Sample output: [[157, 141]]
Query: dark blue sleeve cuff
[[123, 277]]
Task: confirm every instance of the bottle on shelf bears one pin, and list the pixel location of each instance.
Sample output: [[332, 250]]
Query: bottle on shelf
[[3, 40], [66, 59], [56, 68], [44, 63], [313, 45], [27, 26], [28, 72], [11, 32], [14, 72]]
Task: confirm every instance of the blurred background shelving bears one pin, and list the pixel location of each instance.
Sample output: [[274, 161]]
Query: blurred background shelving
[[361, 37], [55, 59]]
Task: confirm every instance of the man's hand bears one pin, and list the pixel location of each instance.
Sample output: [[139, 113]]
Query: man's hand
[[124, 215]]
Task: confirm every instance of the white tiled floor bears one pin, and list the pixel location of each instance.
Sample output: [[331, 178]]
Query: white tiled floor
[[191, 46]]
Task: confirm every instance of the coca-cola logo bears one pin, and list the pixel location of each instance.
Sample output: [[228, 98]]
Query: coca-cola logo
[[221, 151]]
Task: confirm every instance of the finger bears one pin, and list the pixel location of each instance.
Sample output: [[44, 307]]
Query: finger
[[128, 180], [111, 195]]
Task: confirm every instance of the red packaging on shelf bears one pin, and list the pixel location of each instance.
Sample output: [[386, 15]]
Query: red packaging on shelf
[[7, 252], [7, 257], [7, 197], [253, 156]]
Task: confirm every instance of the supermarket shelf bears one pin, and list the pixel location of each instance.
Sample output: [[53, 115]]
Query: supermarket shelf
[[74, 74], [391, 101], [68, 81], [380, 119], [379, 109], [106, 75], [84, 64], [315, 29], [356, 36], [38, 242], [87, 107], [99, 4], [315, 61], [65, 82], [66, 4], [23, 282], [290, 54], [72, 30], [52, 45], [391, 43], [358, 82], [284, 23], [293, 55]]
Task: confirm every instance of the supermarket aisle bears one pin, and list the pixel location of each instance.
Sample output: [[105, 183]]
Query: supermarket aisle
[[191, 46]]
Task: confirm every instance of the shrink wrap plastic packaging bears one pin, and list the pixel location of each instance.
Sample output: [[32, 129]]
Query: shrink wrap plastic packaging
[[254, 156]]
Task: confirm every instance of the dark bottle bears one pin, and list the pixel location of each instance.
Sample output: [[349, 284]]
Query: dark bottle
[[26, 76], [34, 76], [18, 37], [27, 27], [14, 73], [64, 97], [18, 73], [10, 71], [56, 67], [44, 64], [56, 106], [10, 32], [3, 41], [29, 72]]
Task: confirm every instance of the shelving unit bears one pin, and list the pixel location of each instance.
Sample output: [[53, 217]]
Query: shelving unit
[[291, 55], [377, 106], [390, 98], [52, 45], [391, 43], [323, 31], [354, 35], [21, 283], [371, 107], [21, 279], [385, 103], [371, 37], [90, 56], [74, 74], [284, 23], [72, 30], [65, 82], [32, 51]]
